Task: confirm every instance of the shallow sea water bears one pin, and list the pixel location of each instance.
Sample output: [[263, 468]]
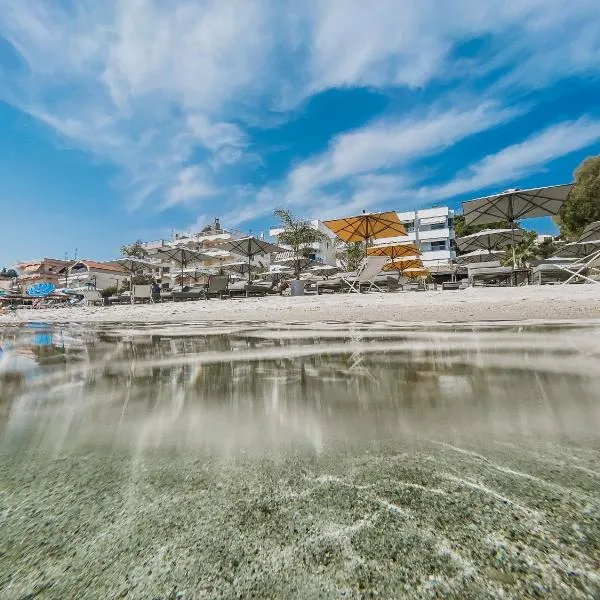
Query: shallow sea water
[[337, 460]]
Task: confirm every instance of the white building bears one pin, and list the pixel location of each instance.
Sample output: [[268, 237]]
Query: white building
[[98, 275], [432, 229], [322, 252]]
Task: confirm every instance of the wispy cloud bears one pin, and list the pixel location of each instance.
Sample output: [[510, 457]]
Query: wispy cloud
[[518, 160], [165, 90]]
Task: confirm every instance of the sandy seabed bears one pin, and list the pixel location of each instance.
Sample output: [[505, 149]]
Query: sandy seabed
[[473, 304]]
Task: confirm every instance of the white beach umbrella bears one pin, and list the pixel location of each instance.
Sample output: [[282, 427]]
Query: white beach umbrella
[[479, 256], [250, 247], [514, 204], [490, 239]]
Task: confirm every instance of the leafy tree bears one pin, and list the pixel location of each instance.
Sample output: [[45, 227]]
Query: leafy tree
[[351, 255], [136, 250], [582, 207], [299, 235], [547, 248], [6, 273]]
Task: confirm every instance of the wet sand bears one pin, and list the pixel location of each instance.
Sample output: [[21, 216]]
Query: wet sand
[[474, 304]]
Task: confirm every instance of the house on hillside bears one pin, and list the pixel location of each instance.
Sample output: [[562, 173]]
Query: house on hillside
[[43, 270], [95, 274]]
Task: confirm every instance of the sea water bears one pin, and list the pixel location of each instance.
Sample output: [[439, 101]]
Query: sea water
[[331, 460]]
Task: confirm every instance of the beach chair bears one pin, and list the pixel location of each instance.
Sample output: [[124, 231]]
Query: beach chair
[[92, 297], [217, 286], [488, 273], [142, 292], [366, 274]]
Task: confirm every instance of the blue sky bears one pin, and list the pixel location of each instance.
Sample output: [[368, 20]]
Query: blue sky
[[128, 119]]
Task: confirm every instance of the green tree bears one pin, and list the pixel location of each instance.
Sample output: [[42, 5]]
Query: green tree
[[351, 255], [299, 235], [582, 207], [136, 250]]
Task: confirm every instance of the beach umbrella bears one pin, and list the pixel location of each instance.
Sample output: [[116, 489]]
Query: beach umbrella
[[479, 256], [249, 247], [490, 239], [591, 233], [514, 204], [240, 267], [40, 290], [367, 226], [180, 256], [578, 249], [325, 270], [289, 258], [394, 250], [404, 263], [133, 265], [414, 272]]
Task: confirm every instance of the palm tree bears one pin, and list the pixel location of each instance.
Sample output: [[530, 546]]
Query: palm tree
[[299, 235]]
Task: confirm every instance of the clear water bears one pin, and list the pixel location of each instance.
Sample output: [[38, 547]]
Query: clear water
[[322, 461]]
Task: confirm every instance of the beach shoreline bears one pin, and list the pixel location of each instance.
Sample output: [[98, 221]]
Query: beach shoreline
[[548, 303]]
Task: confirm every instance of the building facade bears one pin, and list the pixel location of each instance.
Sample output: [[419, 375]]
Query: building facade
[[321, 252], [432, 230], [44, 270], [98, 275]]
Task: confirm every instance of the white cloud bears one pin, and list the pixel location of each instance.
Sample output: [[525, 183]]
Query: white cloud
[[190, 184], [519, 160], [150, 85]]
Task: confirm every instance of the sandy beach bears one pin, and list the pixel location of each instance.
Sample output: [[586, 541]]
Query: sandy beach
[[473, 304]]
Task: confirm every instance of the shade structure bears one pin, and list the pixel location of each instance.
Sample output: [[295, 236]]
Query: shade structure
[[181, 256], [394, 250], [324, 270], [288, 259], [131, 264], [249, 247], [515, 204], [490, 239], [404, 263], [479, 256], [578, 249], [367, 226], [240, 267], [591, 233]]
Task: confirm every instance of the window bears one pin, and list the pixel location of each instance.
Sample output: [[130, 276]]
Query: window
[[409, 226], [438, 245], [438, 226]]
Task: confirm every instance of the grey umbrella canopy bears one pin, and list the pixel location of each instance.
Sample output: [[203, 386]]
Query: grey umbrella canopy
[[479, 256], [514, 204], [489, 239], [132, 265], [249, 247], [181, 256], [591, 233], [578, 249]]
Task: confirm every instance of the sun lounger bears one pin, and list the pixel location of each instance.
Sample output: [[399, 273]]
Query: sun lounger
[[92, 297], [217, 286], [553, 272], [256, 288], [142, 293], [490, 273], [195, 293], [450, 285]]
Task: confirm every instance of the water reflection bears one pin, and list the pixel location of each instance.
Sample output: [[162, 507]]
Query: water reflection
[[259, 385]]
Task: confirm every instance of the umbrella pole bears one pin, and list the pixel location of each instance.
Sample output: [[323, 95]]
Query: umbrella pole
[[131, 286], [512, 234]]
